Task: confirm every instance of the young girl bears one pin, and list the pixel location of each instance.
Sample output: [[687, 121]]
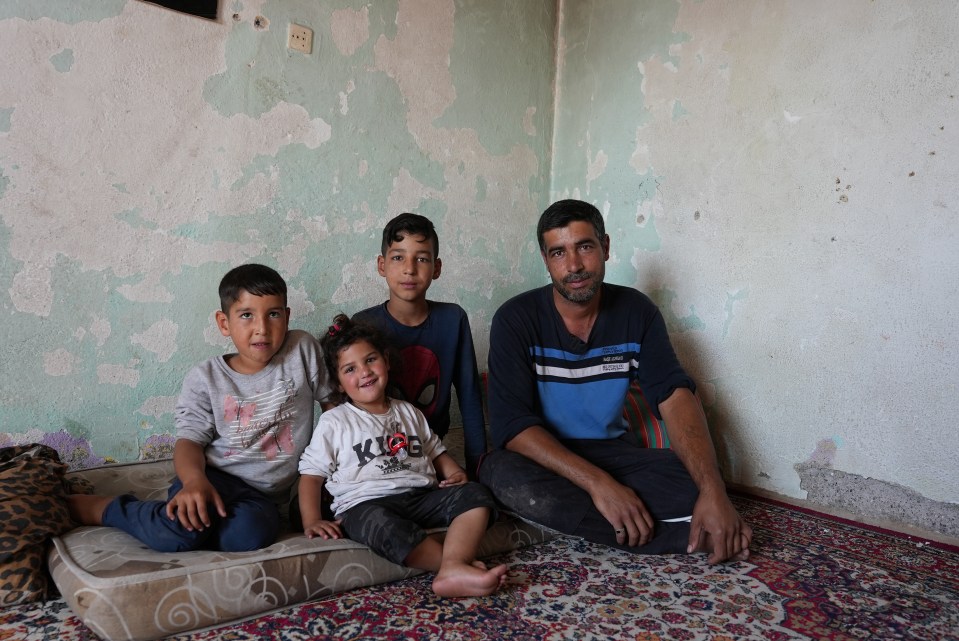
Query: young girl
[[380, 462]]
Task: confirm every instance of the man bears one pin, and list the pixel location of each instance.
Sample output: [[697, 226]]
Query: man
[[561, 360]]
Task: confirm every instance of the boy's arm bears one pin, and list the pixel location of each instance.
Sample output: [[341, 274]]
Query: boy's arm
[[467, 382], [310, 496], [190, 504]]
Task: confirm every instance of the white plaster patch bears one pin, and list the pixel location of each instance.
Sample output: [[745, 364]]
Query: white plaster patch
[[159, 141], [157, 406], [350, 29], [639, 160], [59, 362], [595, 167], [345, 97], [791, 118], [117, 375], [317, 228], [528, 125], [298, 300], [358, 281], [101, 330], [159, 338], [31, 291], [149, 290], [292, 256]]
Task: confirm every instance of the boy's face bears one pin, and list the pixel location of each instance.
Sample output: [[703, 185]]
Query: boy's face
[[409, 267], [257, 325]]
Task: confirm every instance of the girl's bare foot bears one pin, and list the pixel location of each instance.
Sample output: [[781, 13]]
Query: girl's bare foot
[[465, 579], [87, 509]]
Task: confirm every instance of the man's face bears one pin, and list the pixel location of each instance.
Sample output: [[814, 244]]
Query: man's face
[[576, 260]]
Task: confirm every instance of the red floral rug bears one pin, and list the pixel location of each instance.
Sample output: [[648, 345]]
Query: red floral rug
[[810, 577]]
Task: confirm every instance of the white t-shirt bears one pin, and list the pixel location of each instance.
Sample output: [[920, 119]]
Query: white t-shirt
[[349, 449]]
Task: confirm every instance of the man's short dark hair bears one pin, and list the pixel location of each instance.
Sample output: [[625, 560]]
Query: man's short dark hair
[[407, 224], [563, 212], [258, 280]]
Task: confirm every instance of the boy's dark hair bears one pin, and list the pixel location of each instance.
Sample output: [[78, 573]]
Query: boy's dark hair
[[258, 280], [343, 333], [407, 224], [563, 212]]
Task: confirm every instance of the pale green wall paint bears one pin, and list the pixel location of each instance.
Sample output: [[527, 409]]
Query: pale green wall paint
[[62, 61], [484, 101], [215, 145], [602, 106], [5, 115]]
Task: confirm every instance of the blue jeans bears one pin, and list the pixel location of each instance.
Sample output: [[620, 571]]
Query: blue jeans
[[252, 521]]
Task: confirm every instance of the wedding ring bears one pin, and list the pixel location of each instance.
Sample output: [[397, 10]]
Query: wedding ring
[[620, 531]]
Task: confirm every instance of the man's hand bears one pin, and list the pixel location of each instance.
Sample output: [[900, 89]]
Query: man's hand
[[189, 505], [718, 529], [625, 512]]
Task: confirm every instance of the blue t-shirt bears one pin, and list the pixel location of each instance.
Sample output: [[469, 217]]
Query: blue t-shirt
[[540, 374], [437, 355]]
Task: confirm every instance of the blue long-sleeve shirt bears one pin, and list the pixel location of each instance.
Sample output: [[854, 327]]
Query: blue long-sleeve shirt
[[540, 374]]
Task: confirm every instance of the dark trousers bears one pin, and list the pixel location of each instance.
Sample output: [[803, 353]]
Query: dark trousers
[[252, 521], [392, 526], [657, 476]]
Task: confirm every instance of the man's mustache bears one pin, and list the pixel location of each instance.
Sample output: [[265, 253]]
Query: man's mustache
[[575, 278]]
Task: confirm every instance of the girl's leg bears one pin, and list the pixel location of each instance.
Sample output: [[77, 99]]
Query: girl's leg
[[458, 575]]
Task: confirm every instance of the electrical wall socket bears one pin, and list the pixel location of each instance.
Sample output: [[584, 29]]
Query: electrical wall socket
[[300, 38]]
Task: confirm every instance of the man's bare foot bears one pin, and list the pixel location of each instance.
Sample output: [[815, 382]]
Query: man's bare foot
[[87, 509], [458, 580]]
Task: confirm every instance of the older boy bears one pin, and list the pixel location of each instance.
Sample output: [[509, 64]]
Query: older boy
[[434, 339], [242, 420]]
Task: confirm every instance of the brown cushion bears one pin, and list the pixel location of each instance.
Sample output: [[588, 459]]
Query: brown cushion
[[33, 508]]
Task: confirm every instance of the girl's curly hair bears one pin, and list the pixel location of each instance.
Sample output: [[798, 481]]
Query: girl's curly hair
[[343, 333]]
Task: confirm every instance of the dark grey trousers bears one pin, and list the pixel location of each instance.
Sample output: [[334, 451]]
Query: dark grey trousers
[[657, 476], [393, 525]]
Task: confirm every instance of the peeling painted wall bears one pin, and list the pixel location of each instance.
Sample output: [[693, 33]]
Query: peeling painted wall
[[781, 178], [144, 152]]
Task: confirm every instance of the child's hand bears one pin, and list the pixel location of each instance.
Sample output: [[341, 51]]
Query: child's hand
[[455, 478], [325, 529], [190, 505]]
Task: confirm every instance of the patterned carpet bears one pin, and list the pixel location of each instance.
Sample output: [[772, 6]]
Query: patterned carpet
[[810, 577]]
